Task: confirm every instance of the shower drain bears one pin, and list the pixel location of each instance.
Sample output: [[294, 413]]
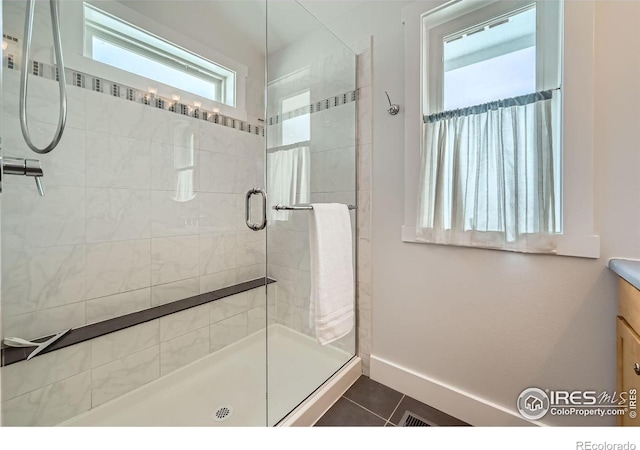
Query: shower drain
[[222, 413]]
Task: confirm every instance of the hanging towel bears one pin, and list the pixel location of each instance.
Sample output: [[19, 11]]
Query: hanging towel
[[332, 289], [288, 178]]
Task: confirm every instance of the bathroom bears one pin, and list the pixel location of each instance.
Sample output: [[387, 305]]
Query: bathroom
[[147, 242]]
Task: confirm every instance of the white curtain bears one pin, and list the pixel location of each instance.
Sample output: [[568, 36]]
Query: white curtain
[[288, 178], [487, 176]]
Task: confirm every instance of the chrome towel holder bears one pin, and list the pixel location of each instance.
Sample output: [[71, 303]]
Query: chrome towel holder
[[280, 207]]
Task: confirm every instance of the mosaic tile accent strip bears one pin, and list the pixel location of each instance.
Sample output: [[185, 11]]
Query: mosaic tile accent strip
[[327, 103], [97, 84]]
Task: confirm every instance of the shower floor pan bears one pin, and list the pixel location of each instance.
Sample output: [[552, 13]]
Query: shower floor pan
[[232, 378]]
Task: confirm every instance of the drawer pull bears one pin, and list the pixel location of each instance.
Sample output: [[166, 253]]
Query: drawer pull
[[636, 368]]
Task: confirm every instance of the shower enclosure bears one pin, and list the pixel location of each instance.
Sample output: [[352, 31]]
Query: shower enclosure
[[164, 240]]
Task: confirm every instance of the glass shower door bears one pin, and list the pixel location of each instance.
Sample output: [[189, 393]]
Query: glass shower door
[[310, 158]]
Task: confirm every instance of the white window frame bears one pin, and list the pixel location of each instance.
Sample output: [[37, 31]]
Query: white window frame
[[578, 237], [73, 39], [118, 32]]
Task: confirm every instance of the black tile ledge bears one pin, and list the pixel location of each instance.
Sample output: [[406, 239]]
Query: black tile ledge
[[11, 355]]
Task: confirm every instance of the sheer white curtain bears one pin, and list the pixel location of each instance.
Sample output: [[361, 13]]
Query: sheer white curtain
[[288, 178], [487, 176]]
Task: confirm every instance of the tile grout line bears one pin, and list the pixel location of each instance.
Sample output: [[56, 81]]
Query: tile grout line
[[368, 410], [395, 409]]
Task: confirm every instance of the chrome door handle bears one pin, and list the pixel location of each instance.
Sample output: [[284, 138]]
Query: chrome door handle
[[247, 210]]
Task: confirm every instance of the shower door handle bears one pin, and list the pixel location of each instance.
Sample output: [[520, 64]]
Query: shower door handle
[[247, 210]]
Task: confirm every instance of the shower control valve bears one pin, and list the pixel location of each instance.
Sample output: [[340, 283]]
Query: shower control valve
[[24, 166]]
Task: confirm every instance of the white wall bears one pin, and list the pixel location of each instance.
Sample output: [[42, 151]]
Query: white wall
[[491, 323]]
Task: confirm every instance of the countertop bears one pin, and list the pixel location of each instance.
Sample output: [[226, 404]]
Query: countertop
[[627, 269]]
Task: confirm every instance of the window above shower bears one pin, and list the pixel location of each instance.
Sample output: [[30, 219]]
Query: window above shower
[[121, 44], [112, 41]]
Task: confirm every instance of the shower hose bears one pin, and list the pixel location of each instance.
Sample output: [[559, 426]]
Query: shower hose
[[24, 80]]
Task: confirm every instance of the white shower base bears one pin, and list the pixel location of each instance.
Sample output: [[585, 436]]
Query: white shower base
[[233, 377]]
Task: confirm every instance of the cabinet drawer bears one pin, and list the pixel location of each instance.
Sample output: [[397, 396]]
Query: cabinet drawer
[[629, 304], [628, 350]]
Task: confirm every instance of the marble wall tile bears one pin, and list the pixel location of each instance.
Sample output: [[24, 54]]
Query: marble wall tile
[[29, 220], [217, 281], [45, 322], [183, 350], [122, 343], [364, 116], [253, 272], [340, 170], [176, 290], [185, 131], [64, 167], [117, 305], [227, 331], [26, 376], [184, 322], [174, 258], [174, 168], [40, 278], [117, 161], [364, 214], [218, 252], [117, 214], [285, 315], [217, 172], [289, 249], [173, 216], [301, 321], [217, 212], [364, 167], [114, 267], [249, 174], [160, 126], [50, 404], [257, 319], [364, 260], [251, 247], [219, 139], [43, 100], [228, 307], [123, 375], [110, 115]]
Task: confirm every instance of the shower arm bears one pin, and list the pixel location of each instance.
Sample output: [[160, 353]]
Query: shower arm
[[24, 83]]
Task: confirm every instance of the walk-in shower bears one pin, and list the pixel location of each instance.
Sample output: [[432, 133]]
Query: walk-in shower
[[173, 239]]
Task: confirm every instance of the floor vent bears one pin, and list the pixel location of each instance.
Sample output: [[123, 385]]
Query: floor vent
[[222, 413], [410, 419]]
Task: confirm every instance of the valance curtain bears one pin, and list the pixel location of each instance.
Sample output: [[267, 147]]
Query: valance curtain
[[487, 176]]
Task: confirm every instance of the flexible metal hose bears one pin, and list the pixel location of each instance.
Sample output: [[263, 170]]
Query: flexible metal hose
[[24, 80]]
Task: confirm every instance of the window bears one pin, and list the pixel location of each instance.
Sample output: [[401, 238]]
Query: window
[[490, 168], [117, 43], [297, 128]]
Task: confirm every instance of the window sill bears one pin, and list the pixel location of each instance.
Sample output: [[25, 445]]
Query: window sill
[[580, 246]]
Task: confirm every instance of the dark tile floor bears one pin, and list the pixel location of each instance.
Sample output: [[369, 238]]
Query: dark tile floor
[[370, 404]]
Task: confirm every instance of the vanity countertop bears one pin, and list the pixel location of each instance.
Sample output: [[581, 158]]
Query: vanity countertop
[[627, 269]]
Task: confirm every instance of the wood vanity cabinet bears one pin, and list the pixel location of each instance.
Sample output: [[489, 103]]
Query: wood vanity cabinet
[[628, 349]]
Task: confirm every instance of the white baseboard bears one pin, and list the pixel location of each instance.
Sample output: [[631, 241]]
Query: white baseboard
[[308, 413], [455, 402]]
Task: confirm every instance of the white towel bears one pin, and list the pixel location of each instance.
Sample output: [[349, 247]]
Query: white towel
[[332, 290]]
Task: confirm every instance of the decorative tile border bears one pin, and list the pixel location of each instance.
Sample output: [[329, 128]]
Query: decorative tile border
[[96, 84], [322, 105], [10, 355]]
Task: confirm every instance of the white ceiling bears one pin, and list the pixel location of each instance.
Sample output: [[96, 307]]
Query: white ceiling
[[288, 21]]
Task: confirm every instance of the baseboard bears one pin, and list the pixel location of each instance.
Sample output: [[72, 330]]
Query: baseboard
[[455, 402], [308, 413]]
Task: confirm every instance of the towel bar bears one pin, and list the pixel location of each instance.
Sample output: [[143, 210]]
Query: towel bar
[[280, 207]]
